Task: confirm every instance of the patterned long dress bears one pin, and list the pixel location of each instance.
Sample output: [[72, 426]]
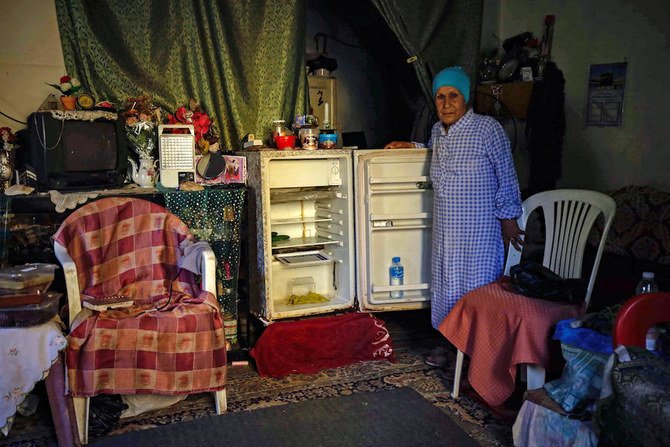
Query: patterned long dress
[[475, 185]]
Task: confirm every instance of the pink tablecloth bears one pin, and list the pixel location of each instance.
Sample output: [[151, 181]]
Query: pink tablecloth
[[26, 354], [499, 329]]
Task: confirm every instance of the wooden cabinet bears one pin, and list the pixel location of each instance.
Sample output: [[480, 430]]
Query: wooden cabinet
[[515, 96]]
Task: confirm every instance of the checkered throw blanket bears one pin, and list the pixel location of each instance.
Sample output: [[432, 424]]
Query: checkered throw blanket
[[131, 247]]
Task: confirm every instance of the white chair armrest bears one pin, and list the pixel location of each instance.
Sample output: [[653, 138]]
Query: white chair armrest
[[71, 281], [208, 271]]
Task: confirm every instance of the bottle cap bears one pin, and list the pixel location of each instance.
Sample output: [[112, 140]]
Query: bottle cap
[[648, 275], [396, 259]]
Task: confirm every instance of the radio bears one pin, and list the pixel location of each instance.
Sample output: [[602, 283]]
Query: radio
[[176, 154]]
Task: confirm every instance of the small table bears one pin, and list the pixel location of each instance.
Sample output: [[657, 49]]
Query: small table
[[28, 355]]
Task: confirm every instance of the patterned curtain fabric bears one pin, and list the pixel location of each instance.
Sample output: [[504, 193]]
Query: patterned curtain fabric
[[243, 61], [439, 33]]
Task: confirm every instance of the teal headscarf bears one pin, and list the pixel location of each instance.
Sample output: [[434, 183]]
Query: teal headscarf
[[453, 77]]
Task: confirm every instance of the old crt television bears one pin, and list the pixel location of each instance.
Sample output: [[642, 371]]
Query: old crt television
[[76, 154]]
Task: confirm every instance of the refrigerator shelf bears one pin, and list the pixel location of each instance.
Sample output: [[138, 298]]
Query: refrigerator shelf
[[304, 258], [285, 310], [281, 195], [303, 242], [300, 221]]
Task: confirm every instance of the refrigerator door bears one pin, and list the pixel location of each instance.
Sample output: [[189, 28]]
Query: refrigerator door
[[394, 204]]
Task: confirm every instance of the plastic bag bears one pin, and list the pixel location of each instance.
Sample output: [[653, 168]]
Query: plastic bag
[[104, 413], [535, 280]]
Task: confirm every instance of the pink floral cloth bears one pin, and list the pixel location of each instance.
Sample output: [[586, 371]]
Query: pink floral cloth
[[26, 354]]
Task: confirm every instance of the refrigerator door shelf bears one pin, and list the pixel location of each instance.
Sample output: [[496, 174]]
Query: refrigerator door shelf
[[384, 222], [381, 294]]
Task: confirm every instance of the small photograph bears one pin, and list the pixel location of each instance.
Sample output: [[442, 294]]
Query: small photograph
[[236, 169]]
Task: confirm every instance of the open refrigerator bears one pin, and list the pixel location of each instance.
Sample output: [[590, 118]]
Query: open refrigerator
[[327, 223]]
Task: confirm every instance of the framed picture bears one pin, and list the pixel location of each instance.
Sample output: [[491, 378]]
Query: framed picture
[[323, 98], [605, 94]]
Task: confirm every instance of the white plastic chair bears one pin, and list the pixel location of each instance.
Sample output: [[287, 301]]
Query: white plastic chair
[[81, 404], [569, 215]]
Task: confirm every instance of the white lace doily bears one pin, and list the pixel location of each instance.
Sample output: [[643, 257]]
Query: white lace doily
[[83, 115], [70, 201]]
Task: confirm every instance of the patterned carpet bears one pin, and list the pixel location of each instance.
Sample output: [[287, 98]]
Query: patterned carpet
[[248, 391]]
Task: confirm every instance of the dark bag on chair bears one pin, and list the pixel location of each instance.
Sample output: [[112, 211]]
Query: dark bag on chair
[[535, 280]]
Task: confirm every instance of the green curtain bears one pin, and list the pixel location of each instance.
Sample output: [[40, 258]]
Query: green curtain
[[244, 61], [439, 33]]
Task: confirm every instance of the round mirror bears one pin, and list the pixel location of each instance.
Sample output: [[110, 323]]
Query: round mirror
[[211, 165]]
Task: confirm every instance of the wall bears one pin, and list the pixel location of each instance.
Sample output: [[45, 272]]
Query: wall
[[604, 31], [30, 55]]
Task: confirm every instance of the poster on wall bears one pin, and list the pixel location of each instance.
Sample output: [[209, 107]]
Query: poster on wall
[[605, 97]]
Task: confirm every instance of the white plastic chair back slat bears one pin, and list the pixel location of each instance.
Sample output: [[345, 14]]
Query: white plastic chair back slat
[[569, 215]]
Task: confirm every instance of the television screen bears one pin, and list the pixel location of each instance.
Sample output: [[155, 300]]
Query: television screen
[[89, 146], [76, 153]]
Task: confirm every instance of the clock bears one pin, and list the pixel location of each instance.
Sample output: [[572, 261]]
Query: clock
[[85, 101]]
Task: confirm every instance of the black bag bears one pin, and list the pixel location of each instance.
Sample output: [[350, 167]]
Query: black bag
[[535, 280]]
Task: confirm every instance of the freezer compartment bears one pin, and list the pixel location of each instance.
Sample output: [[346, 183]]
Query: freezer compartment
[[299, 172], [292, 284]]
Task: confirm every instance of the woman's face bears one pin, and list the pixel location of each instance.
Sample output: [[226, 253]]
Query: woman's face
[[450, 104]]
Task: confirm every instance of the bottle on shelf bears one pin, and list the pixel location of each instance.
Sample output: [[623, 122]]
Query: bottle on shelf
[[647, 284], [396, 277]]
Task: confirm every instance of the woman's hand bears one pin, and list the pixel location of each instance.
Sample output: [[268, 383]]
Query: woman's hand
[[398, 144], [512, 233]]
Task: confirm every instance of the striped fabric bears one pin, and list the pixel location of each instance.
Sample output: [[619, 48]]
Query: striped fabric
[[475, 185], [131, 247], [500, 329]]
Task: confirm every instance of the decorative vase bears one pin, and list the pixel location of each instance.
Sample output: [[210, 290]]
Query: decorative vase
[[69, 102]]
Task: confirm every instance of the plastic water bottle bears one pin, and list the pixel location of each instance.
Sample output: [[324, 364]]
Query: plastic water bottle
[[646, 284], [397, 277]]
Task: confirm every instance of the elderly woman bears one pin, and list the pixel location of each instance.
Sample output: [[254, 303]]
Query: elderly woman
[[476, 197]]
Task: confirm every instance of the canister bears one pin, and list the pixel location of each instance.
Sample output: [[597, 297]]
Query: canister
[[327, 140], [309, 138]]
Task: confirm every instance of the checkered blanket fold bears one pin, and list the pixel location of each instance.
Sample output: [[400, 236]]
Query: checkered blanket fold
[[124, 246]]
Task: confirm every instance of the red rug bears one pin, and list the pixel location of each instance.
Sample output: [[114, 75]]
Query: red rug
[[308, 346]]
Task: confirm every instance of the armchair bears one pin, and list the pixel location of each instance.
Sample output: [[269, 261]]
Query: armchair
[[171, 340]]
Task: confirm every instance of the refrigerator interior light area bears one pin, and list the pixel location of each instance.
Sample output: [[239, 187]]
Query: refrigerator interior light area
[[326, 225]]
